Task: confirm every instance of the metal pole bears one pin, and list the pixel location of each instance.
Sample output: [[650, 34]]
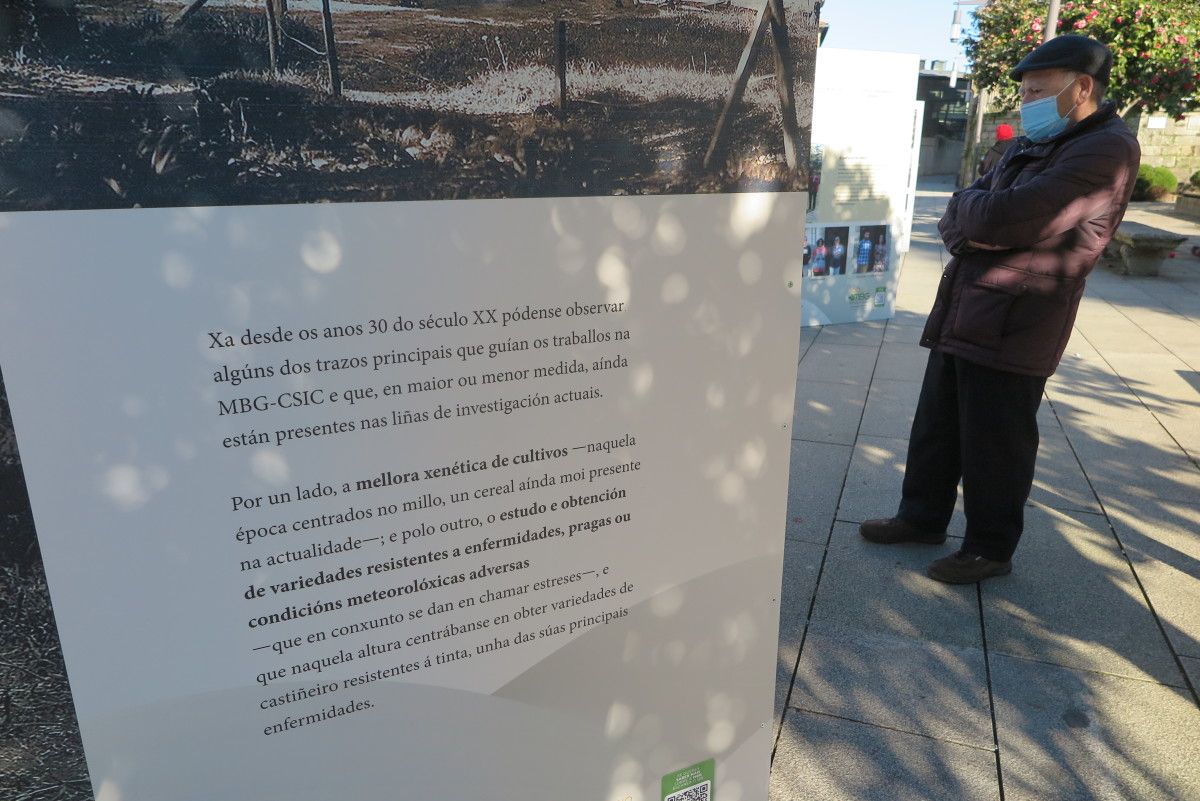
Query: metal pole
[[980, 111], [1051, 22]]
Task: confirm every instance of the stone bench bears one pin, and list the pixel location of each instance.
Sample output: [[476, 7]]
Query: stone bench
[[1188, 203], [1138, 249]]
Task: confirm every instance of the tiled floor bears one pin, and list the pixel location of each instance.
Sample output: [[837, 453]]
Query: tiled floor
[[1073, 678]]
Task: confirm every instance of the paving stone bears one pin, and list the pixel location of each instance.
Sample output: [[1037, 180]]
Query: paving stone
[[1067, 734], [1174, 590], [801, 566], [841, 364], [903, 334], [883, 588], [821, 758], [807, 337], [1135, 458], [1072, 600], [898, 682], [785, 669], [1168, 531], [1059, 481], [1119, 335], [814, 484], [890, 408], [1131, 453], [869, 334], [1191, 665], [828, 412], [874, 479], [1077, 389], [1163, 542], [1182, 422], [908, 319], [1164, 383], [901, 362]]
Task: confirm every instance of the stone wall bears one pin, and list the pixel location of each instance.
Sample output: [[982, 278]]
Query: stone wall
[[1170, 144]]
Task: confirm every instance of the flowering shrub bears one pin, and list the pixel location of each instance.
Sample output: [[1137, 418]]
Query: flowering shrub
[[1155, 44]]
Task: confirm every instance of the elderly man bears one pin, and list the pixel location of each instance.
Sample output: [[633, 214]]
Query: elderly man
[[1023, 239]]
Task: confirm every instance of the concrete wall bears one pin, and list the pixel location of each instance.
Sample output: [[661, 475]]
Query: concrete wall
[[940, 156]]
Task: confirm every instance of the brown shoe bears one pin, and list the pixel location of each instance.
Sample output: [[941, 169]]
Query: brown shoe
[[894, 530], [966, 568]]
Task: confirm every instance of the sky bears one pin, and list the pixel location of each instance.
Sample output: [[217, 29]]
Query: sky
[[905, 26]]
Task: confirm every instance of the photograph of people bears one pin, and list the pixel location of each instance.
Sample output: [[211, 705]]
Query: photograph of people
[[872, 258], [862, 253], [815, 161], [879, 261], [837, 239], [820, 257]]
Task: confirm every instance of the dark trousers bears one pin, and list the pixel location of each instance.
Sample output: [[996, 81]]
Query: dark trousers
[[977, 424]]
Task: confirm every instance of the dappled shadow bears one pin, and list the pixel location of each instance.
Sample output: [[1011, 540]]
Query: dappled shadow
[[1084, 676], [189, 270]]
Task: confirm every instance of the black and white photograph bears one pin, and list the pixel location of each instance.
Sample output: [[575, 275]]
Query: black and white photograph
[[132, 103]]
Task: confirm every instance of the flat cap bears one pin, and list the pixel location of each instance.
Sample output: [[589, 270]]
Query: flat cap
[[1069, 52]]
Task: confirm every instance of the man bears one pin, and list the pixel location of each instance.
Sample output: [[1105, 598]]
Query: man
[[1023, 239], [1004, 141], [837, 257], [863, 256]]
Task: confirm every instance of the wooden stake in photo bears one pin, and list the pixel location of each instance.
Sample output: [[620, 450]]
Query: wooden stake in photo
[[770, 18], [273, 36], [560, 65], [331, 59]]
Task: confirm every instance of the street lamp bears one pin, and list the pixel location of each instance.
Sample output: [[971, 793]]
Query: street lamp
[[979, 101], [1051, 22]]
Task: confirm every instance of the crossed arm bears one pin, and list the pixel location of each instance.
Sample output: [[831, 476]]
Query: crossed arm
[[1078, 187]]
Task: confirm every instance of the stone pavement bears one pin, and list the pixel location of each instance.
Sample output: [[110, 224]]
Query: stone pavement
[[1074, 678]]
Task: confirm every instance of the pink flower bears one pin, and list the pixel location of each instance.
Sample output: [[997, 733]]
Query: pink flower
[[1138, 14], [1080, 23], [1120, 20], [1037, 26], [1180, 39]]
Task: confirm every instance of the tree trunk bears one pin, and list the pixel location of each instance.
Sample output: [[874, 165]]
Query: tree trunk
[[335, 75]]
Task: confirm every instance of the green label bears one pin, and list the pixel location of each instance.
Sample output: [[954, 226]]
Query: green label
[[690, 784]]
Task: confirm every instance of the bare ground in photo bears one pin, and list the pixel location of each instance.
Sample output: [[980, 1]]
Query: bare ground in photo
[[452, 100]]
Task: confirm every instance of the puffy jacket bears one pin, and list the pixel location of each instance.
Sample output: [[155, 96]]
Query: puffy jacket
[[1052, 206]]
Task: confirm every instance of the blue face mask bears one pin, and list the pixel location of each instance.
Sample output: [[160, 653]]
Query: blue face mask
[[1040, 118]]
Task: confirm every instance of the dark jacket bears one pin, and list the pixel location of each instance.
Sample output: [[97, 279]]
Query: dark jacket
[[994, 154], [1053, 206]]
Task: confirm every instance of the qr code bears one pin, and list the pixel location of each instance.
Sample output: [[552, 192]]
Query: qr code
[[701, 792]]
